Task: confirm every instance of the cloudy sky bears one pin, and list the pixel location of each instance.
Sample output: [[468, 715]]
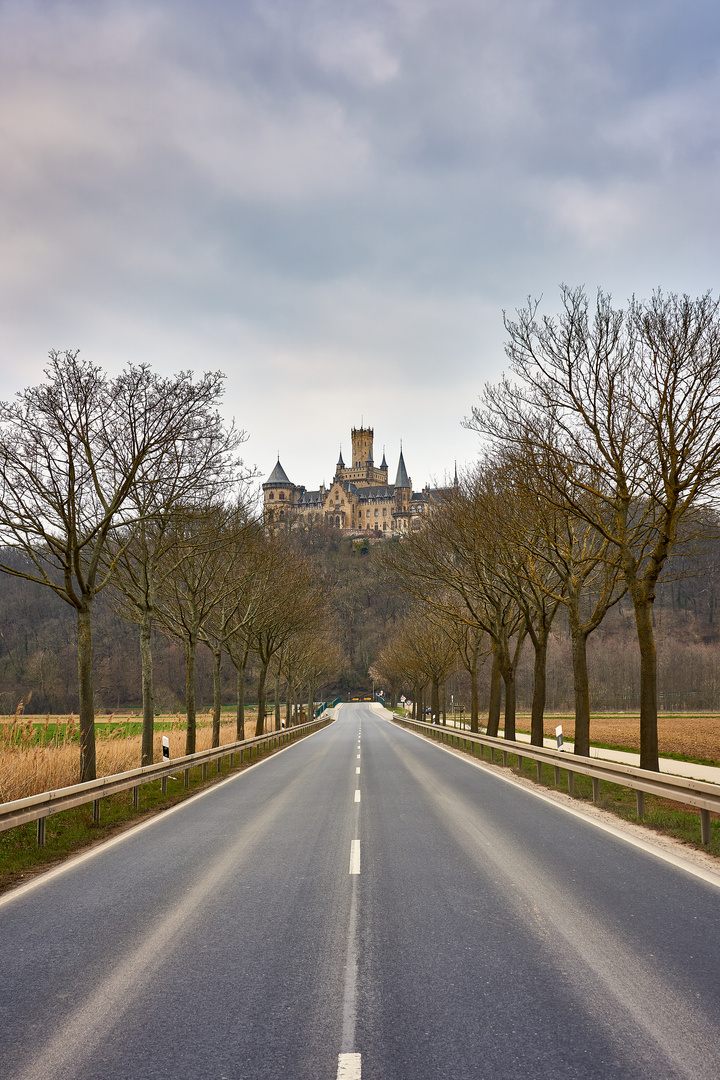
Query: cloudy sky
[[333, 202]]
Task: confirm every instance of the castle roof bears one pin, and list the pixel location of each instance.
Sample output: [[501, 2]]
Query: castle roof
[[401, 480], [380, 491], [341, 463], [383, 463], [278, 475]]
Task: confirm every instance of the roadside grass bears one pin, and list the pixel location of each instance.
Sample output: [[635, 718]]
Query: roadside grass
[[73, 831], [661, 815]]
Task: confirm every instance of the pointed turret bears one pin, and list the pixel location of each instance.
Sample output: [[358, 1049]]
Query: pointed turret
[[278, 475], [383, 463], [402, 480], [341, 463]]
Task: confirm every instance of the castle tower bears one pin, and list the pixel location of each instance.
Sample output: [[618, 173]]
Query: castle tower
[[362, 447]]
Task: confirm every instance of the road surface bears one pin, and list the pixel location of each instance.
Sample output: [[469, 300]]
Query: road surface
[[363, 904]]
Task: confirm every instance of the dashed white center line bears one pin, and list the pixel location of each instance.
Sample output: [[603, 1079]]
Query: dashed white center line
[[357, 794], [357, 770], [355, 857], [349, 1067], [358, 757]]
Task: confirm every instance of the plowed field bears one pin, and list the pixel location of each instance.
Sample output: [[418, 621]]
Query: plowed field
[[694, 736]]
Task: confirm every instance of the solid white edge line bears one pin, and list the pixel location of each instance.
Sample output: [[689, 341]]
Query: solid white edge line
[[357, 794], [349, 1067], [355, 857], [708, 876], [76, 860]]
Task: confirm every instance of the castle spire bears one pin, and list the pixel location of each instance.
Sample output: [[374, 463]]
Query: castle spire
[[402, 480]]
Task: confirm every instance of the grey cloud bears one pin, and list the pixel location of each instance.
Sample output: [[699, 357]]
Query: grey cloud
[[332, 198]]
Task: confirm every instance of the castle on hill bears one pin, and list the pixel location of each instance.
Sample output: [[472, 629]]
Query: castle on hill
[[359, 500]]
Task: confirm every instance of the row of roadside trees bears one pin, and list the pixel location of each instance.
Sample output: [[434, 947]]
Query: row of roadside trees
[[601, 458], [134, 485]]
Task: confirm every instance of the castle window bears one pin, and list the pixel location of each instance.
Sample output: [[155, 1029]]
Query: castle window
[[368, 513], [384, 512], [282, 495], [384, 524], [376, 513], [271, 495]]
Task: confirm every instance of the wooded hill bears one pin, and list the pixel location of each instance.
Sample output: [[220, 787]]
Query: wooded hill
[[38, 651]]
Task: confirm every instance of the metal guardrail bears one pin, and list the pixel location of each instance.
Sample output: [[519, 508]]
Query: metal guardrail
[[698, 793], [39, 807]]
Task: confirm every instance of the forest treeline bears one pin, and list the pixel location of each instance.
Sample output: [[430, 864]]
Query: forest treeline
[[38, 652]]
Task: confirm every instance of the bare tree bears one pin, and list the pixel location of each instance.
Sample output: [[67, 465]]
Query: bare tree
[[202, 467], [70, 451], [292, 604], [619, 410], [204, 542]]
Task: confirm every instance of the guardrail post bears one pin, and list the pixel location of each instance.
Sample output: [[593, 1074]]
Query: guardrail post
[[520, 763], [136, 796], [232, 760], [539, 770], [504, 754], [204, 770], [705, 826], [41, 832], [596, 789], [163, 785], [96, 811], [187, 778], [640, 801], [219, 764], [557, 775], [242, 754], [492, 753], [571, 782]]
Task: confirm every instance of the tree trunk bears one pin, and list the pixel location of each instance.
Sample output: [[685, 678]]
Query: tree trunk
[[311, 702], [509, 680], [421, 703], [444, 703], [260, 725], [217, 697], [495, 683], [537, 716], [581, 686], [474, 704], [85, 694], [148, 699], [648, 684], [278, 723], [190, 694], [240, 726], [435, 700]]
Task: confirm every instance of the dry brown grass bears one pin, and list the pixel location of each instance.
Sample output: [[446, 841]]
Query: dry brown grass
[[28, 770]]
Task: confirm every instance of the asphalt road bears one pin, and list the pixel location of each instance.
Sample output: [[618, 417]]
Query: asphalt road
[[441, 924]]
